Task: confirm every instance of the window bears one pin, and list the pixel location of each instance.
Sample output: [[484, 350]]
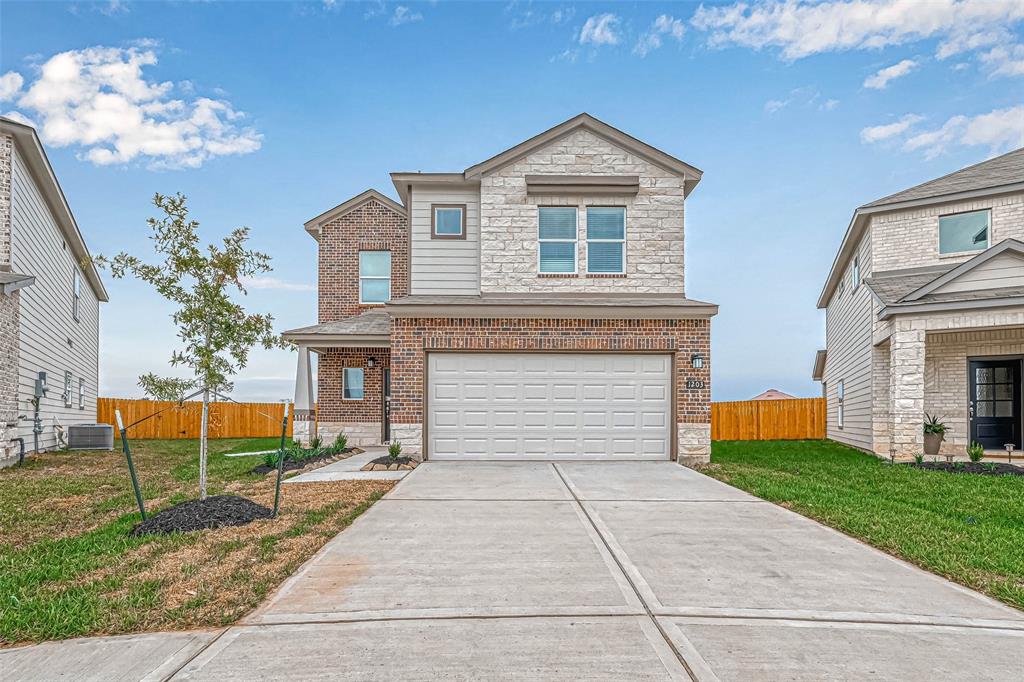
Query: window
[[606, 240], [964, 232], [447, 221], [76, 302], [557, 240], [67, 389], [374, 276], [855, 274], [840, 405], [81, 393], [352, 383]]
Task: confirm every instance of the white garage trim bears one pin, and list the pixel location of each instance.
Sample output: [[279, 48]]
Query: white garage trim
[[512, 406]]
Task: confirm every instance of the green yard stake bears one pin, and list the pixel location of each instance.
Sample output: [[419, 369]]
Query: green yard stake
[[280, 461], [131, 465]]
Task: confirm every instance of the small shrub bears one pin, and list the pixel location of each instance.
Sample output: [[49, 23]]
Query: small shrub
[[395, 449], [341, 442], [315, 442], [975, 451], [918, 459], [270, 458]]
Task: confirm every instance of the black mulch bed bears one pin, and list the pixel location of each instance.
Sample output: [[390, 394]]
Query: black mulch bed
[[982, 468], [293, 464], [213, 512], [387, 459]]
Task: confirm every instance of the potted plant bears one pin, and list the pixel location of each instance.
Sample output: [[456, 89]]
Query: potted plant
[[934, 434]]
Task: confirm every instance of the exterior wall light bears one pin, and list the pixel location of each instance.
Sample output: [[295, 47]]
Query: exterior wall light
[[697, 361], [371, 362]]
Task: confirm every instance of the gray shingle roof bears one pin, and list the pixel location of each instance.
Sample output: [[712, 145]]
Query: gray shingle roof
[[1002, 170], [370, 323], [892, 286]]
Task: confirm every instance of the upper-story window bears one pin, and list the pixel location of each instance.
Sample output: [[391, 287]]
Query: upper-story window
[[557, 239], [606, 240], [448, 221], [855, 273], [374, 276], [76, 301], [962, 232]]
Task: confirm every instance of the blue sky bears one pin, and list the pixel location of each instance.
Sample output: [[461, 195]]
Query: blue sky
[[266, 114]]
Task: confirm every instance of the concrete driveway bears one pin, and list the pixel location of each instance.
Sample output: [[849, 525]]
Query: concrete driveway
[[594, 571]]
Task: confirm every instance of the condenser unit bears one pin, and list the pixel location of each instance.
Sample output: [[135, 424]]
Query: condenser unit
[[91, 437]]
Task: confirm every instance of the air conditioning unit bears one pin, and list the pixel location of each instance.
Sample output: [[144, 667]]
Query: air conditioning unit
[[91, 437]]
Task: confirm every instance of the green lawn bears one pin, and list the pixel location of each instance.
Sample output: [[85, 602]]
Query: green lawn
[[68, 568], [965, 527]]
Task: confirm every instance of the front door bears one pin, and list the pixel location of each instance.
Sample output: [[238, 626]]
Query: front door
[[994, 407]]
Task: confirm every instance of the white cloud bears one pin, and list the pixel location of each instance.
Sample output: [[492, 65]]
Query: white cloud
[[880, 79], [829, 105], [275, 284], [404, 15], [600, 29], [113, 7], [562, 15], [800, 28], [807, 97], [889, 130], [18, 117], [773, 105], [99, 98], [1005, 60], [10, 85], [664, 25], [569, 54]]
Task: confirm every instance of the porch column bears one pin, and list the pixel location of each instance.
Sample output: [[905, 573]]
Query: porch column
[[906, 387], [302, 422]]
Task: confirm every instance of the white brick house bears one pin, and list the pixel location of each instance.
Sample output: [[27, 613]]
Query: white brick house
[[49, 302], [925, 313]]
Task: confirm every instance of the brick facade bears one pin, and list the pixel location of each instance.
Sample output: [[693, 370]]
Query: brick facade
[[411, 337], [359, 419], [370, 227]]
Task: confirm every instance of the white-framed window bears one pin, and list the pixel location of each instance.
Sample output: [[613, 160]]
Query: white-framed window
[[855, 274], [840, 403], [352, 383], [67, 389], [81, 393], [556, 239], [606, 239], [76, 301], [964, 232], [374, 276], [448, 221]]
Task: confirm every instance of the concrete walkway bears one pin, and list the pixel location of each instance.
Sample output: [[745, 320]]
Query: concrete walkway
[[348, 469], [581, 571]]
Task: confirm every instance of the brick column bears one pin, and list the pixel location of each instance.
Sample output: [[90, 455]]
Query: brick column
[[906, 387], [9, 314]]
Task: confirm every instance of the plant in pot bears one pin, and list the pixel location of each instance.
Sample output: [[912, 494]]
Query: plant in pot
[[934, 434]]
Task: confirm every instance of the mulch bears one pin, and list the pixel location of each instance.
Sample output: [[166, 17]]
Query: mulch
[[323, 458], [980, 468], [213, 512], [389, 463]]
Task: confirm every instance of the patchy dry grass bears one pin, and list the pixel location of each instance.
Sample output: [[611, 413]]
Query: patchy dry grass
[[68, 567]]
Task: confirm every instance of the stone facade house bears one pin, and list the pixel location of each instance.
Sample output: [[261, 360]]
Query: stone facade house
[[531, 306], [925, 313], [49, 303]]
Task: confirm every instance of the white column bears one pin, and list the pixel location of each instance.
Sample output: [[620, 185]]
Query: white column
[[302, 421], [906, 388]]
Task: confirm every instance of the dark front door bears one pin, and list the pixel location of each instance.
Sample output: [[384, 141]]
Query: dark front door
[[386, 417], [994, 406]]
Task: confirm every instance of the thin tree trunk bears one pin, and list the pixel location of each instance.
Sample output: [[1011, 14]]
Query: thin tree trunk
[[202, 443]]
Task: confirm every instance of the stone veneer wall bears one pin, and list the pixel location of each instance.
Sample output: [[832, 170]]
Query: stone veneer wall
[[360, 420], [654, 221], [9, 311], [370, 227], [411, 337]]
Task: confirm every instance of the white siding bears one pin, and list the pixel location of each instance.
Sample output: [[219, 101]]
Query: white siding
[[51, 340], [848, 340], [445, 266], [1005, 270]]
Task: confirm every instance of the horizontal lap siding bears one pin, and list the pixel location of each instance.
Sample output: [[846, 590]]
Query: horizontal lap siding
[[445, 266]]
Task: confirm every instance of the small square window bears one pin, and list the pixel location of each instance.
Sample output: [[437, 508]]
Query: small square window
[[964, 232], [352, 383], [448, 221]]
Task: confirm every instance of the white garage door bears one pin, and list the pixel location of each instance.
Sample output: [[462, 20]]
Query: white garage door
[[549, 406]]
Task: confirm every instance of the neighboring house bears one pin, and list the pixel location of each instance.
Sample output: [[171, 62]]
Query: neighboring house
[[925, 313], [49, 302], [773, 394], [529, 307]]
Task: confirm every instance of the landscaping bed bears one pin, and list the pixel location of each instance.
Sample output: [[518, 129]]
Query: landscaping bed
[[300, 458], [969, 529], [978, 468], [70, 565], [389, 463], [213, 512]]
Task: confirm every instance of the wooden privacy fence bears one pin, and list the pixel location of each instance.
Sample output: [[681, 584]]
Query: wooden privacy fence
[[795, 419], [227, 420]]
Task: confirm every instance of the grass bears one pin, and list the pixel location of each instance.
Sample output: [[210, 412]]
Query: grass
[[968, 528], [68, 567]]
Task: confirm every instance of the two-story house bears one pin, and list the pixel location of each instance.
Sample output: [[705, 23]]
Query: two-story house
[[50, 297], [925, 313], [531, 306]]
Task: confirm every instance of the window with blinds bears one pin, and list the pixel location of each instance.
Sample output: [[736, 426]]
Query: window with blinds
[[606, 240], [557, 239]]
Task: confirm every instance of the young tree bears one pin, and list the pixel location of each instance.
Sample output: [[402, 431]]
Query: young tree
[[216, 332]]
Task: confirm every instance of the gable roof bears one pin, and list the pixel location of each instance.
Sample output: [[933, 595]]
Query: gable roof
[[1007, 245], [32, 151], [691, 174], [892, 286], [1001, 175], [773, 394], [314, 224]]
